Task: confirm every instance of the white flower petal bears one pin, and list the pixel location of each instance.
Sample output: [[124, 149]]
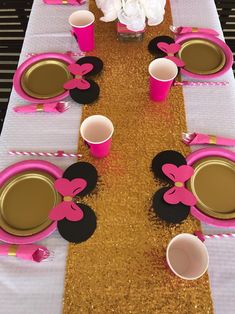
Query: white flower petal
[[154, 22], [109, 17], [154, 10], [109, 9]]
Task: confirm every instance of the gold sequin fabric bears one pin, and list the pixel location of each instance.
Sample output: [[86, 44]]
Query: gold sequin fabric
[[122, 267]]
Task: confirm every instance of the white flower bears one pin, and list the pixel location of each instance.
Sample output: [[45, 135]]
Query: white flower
[[110, 9], [132, 15], [154, 10]]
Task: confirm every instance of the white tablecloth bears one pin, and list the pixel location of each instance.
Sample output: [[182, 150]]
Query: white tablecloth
[[211, 110], [38, 288]]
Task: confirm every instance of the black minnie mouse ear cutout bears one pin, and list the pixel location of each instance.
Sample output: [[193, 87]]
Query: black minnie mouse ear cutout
[[83, 170], [86, 96], [96, 62], [76, 222], [153, 48], [166, 157], [78, 231], [170, 213], [81, 88]]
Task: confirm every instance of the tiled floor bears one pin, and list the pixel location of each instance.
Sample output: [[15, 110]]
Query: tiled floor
[[14, 16]]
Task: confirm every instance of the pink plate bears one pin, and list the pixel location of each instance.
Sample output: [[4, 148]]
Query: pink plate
[[19, 72], [228, 54], [13, 170], [194, 157]]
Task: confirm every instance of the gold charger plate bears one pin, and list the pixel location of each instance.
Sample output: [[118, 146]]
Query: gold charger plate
[[25, 202], [202, 56], [213, 185], [45, 78]]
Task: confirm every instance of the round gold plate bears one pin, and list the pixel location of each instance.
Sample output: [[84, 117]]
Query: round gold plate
[[25, 202], [45, 79], [202, 56], [213, 185]]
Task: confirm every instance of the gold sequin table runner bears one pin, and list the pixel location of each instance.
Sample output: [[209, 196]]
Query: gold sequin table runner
[[122, 268]]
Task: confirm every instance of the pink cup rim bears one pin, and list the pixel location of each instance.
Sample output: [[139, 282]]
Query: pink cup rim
[[194, 238], [82, 11], [165, 61], [93, 116]]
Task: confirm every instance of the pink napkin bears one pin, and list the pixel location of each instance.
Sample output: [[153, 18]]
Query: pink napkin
[[56, 107], [29, 252], [198, 139], [72, 2], [183, 30]]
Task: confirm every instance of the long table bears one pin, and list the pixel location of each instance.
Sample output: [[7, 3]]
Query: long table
[[38, 288]]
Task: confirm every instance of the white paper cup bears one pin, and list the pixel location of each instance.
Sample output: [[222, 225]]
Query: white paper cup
[[187, 256]]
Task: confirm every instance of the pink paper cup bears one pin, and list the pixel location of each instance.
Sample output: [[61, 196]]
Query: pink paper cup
[[187, 256], [82, 22], [97, 132], [162, 74]]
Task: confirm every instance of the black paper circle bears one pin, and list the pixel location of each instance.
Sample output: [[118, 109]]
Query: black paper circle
[[78, 231], [170, 213], [96, 62], [154, 50], [83, 170], [166, 157], [86, 96]]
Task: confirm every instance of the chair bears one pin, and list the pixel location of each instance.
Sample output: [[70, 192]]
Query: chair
[[14, 15]]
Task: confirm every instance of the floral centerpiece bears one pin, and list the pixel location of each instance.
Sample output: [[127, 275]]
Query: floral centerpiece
[[133, 13]]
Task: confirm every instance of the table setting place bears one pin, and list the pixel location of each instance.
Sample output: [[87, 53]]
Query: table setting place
[[128, 191]]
